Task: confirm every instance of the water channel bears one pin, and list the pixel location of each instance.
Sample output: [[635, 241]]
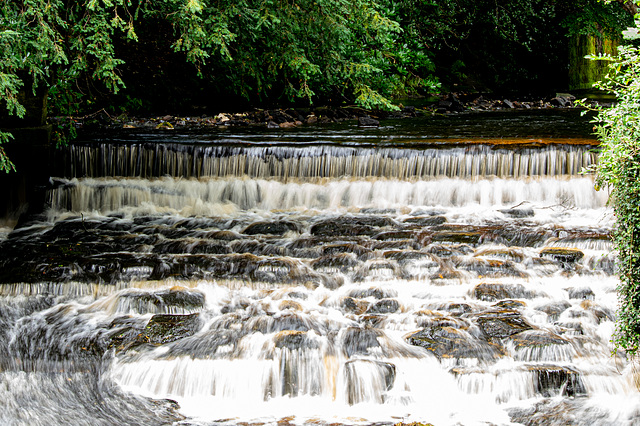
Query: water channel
[[452, 270]]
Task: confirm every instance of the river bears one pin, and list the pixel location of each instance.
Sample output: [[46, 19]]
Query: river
[[449, 270]]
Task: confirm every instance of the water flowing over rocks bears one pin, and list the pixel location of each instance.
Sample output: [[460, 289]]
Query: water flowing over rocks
[[249, 280]]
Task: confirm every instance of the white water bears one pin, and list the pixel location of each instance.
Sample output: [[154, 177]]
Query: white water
[[276, 343]]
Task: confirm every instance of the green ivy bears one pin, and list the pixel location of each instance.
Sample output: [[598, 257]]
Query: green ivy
[[618, 129]]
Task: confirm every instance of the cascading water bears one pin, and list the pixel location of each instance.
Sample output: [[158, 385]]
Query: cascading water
[[283, 281]]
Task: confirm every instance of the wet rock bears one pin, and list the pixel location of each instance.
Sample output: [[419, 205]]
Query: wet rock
[[510, 253], [271, 228], [395, 235], [554, 309], [518, 213], [174, 300], [259, 248], [355, 306], [455, 308], [502, 323], [165, 328], [350, 226], [450, 342], [488, 267], [360, 251], [448, 250], [426, 220], [377, 269], [190, 246], [342, 262], [510, 304], [374, 292], [290, 304], [553, 380], [566, 256], [457, 237], [409, 244], [403, 256], [368, 122], [494, 292], [384, 306], [451, 104], [293, 340], [601, 313], [204, 345], [540, 345], [584, 293], [360, 391], [360, 341]]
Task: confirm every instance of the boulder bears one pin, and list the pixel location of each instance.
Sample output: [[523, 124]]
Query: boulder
[[368, 122], [502, 323], [165, 328], [450, 342]]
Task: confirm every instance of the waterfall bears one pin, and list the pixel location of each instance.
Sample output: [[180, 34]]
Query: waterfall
[[190, 282]]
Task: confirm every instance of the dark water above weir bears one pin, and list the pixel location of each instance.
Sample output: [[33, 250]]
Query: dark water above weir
[[454, 271]]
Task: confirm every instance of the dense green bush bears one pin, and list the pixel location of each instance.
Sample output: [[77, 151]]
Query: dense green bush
[[618, 129]]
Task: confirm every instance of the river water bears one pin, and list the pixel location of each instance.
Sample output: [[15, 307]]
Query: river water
[[453, 270]]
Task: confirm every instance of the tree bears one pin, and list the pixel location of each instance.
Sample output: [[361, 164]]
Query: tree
[[282, 49], [618, 129]]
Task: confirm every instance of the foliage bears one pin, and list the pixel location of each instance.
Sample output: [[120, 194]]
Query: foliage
[[618, 129]]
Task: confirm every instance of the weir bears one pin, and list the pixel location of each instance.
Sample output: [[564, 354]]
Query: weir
[[256, 279]]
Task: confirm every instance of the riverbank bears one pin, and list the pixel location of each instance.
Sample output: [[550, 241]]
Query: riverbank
[[279, 118]]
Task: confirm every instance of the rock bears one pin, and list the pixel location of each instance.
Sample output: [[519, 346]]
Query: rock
[[174, 300], [554, 380], [517, 212], [384, 306], [450, 104], [272, 125], [343, 262], [375, 292], [540, 346], [355, 306], [358, 390], [502, 323], [287, 125], [350, 226], [584, 293], [450, 342], [566, 256], [508, 104], [359, 340], [368, 122], [293, 339], [554, 309], [271, 228], [426, 220], [165, 328], [494, 292]]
